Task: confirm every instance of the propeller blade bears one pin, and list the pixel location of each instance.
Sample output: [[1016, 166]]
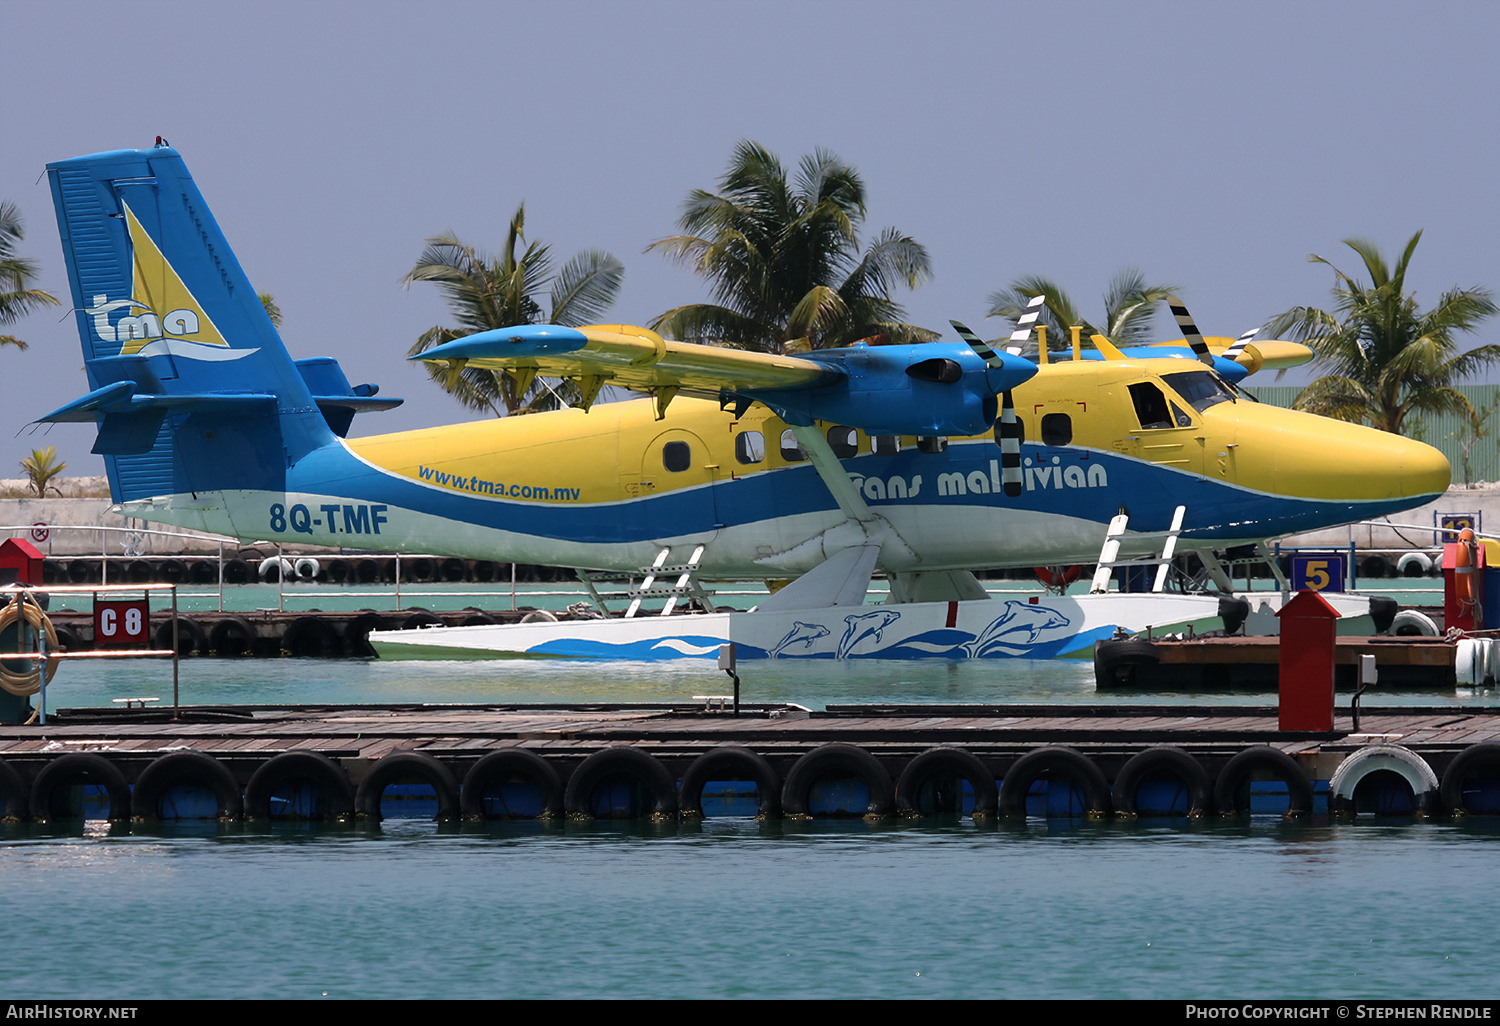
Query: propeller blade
[[1234, 351], [1010, 447], [1190, 330], [1017, 337]]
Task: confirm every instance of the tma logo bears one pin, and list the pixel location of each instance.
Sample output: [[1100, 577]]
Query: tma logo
[[144, 326]]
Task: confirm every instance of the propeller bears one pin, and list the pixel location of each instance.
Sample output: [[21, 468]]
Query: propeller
[[1010, 427], [1190, 330]]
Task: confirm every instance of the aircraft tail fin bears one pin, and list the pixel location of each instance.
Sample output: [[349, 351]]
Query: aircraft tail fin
[[190, 384]]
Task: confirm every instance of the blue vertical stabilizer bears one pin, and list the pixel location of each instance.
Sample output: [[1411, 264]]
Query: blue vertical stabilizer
[[192, 389]]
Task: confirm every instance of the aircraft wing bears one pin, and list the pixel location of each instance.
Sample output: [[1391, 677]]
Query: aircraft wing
[[632, 357], [930, 388], [1275, 354]]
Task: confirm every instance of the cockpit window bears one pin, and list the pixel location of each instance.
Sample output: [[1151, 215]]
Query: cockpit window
[[1150, 406], [1200, 388]]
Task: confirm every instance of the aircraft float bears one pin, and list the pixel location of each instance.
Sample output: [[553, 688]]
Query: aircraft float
[[921, 463]]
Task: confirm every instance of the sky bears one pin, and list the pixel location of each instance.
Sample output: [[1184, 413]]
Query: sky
[[1212, 145]]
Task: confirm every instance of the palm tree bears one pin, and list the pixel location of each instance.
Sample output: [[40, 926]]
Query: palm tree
[[273, 311], [785, 262], [1129, 304], [1389, 359], [16, 297], [485, 293], [41, 467]]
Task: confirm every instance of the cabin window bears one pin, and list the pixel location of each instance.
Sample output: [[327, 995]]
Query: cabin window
[[750, 447], [1057, 429], [1150, 406], [790, 450], [885, 445], [844, 441], [932, 443], [1200, 388], [676, 456], [1020, 430]]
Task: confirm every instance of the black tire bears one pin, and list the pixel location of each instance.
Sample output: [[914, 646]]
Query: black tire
[[15, 796], [421, 571], [357, 633], [621, 761], [232, 636], [191, 767], [397, 766], [203, 572], [237, 571], [68, 639], [730, 762], [1481, 761], [1237, 771], [478, 619], [507, 765], [946, 761], [1054, 761], [1116, 662], [312, 636], [320, 770], [453, 570], [422, 618], [837, 760], [80, 768], [190, 637], [1163, 760]]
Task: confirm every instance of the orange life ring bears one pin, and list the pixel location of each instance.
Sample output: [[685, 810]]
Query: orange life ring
[[1464, 560], [1058, 576]]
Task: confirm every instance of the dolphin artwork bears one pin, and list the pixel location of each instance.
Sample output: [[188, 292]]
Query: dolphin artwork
[[864, 625], [803, 634], [1015, 630]]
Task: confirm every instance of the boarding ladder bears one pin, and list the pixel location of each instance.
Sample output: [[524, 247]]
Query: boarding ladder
[[687, 585], [1217, 570]]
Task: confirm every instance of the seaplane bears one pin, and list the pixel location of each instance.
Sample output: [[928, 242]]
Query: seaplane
[[921, 464]]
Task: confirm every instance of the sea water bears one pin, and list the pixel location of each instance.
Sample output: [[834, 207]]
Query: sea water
[[734, 907]]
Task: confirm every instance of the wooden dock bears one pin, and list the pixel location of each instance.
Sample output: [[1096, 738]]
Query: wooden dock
[[908, 759]]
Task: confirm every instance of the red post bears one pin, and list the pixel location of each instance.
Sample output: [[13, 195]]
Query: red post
[[1306, 672]]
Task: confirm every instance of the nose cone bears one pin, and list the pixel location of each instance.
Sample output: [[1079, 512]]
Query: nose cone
[[1299, 455]]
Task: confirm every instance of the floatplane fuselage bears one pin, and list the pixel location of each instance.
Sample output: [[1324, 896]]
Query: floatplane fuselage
[[760, 466]]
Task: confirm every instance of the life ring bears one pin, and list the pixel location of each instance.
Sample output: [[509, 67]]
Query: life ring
[[1231, 791], [1116, 661], [730, 762], [1410, 623], [1477, 762], [190, 637], [1054, 761], [1156, 763], [276, 564], [837, 760], [232, 636], [15, 797], [311, 636], [80, 768], [1402, 761], [319, 770], [1465, 566], [402, 766], [1058, 576], [185, 767], [510, 765], [945, 764], [306, 569], [28, 681], [621, 762]]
